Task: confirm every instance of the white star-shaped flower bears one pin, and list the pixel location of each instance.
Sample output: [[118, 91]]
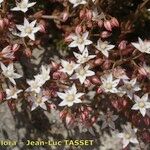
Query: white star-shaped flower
[[68, 67], [77, 2], [35, 86], [141, 104], [9, 73], [142, 46], [80, 41], [104, 47], [28, 29], [70, 96], [38, 100], [130, 87], [44, 75], [109, 84], [128, 136], [23, 6], [1, 2], [12, 92], [82, 73], [84, 57]]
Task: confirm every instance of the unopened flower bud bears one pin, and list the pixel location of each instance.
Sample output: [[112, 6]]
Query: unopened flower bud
[[105, 34], [42, 28], [6, 21], [28, 52], [100, 23], [78, 29], [107, 25], [95, 80], [62, 114], [82, 14], [106, 64], [52, 106], [122, 45], [83, 116], [54, 65], [99, 90], [89, 14], [1, 24], [142, 71], [68, 119], [114, 22], [56, 75], [65, 16], [87, 83], [93, 119], [98, 61], [15, 47]]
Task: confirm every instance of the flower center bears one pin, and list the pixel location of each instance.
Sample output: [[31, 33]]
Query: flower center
[[69, 67], [108, 85], [9, 74], [129, 86], [141, 104], [70, 97], [28, 30], [127, 136], [103, 45], [80, 40], [82, 72], [38, 100], [22, 5]]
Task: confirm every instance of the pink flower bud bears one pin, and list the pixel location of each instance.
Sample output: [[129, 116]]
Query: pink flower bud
[[89, 108], [95, 80], [89, 14], [65, 16], [100, 23], [106, 64], [42, 28], [78, 29], [99, 90], [82, 14], [98, 61], [52, 106], [83, 116], [63, 113], [114, 22], [56, 75], [15, 47], [68, 119], [54, 65], [105, 34], [28, 52], [122, 45], [86, 113], [93, 119], [142, 71], [6, 21], [107, 25], [68, 38], [146, 136], [1, 24], [87, 83], [89, 24], [63, 76], [147, 121]]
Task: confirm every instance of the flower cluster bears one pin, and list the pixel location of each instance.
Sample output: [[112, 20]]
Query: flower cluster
[[98, 77]]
